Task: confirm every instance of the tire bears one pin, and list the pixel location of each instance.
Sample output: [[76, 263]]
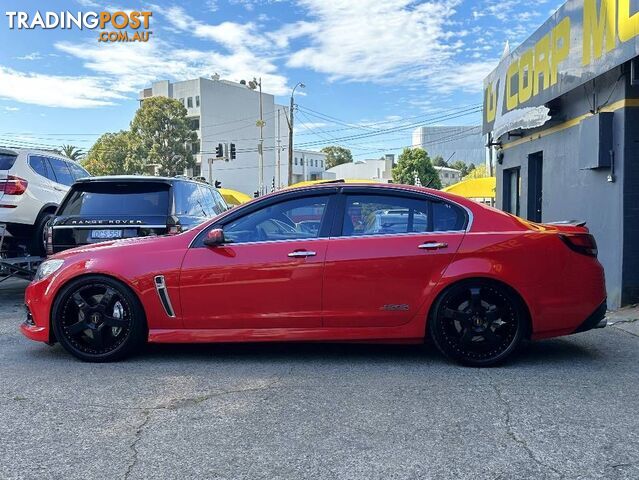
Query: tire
[[38, 243], [478, 323], [98, 319]]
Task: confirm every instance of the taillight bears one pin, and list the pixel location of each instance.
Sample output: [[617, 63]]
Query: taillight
[[583, 243], [49, 241], [13, 185]]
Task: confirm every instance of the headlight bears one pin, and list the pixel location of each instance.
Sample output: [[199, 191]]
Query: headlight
[[48, 267]]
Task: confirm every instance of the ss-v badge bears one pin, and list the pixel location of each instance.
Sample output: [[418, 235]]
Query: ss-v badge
[[391, 307]]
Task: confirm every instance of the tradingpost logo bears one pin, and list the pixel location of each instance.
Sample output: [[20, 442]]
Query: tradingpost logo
[[130, 26]]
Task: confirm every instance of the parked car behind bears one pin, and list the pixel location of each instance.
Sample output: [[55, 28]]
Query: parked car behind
[[32, 185], [106, 208]]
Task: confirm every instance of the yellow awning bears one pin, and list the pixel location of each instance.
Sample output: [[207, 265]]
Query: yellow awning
[[308, 183], [474, 188], [233, 197]]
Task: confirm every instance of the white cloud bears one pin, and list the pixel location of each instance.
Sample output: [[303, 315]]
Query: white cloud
[[31, 56], [369, 40], [131, 67], [54, 91], [468, 77], [11, 109]]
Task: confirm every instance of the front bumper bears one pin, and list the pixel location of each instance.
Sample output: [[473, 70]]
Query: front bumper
[[596, 319], [36, 324]]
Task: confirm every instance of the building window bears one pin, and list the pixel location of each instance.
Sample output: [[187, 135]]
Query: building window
[[197, 100], [295, 160], [512, 190], [189, 102], [195, 147], [322, 163], [195, 123], [181, 101]]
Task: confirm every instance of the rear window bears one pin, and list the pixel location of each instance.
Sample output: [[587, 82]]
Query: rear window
[[7, 161], [121, 199]]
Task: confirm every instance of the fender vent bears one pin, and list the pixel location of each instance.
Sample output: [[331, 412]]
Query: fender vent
[[160, 286]]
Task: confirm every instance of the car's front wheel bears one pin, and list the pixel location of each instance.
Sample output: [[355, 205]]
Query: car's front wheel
[[98, 319], [478, 323]]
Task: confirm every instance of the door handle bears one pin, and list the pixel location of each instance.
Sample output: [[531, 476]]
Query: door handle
[[302, 254], [433, 245]]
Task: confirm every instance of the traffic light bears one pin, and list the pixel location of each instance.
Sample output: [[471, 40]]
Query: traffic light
[[219, 150], [218, 184], [232, 151]]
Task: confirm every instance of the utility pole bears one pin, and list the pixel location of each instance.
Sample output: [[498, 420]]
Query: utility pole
[[261, 147], [279, 151], [290, 133]]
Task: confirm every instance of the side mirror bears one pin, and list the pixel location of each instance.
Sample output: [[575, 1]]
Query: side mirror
[[214, 238]]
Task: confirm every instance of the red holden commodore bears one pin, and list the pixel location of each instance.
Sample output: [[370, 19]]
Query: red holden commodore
[[332, 262]]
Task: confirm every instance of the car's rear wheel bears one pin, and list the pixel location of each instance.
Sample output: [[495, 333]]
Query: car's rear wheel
[[38, 245], [478, 323], [98, 319]]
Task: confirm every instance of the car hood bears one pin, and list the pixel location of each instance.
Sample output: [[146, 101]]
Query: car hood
[[98, 248]]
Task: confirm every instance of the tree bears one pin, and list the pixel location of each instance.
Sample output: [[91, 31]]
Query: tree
[[414, 163], [336, 155], [438, 161], [71, 152], [165, 134], [115, 154], [479, 172], [461, 166]]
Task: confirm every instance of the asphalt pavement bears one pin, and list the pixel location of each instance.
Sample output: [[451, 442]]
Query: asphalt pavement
[[566, 408]]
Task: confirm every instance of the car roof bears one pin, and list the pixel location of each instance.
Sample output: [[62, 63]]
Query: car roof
[[138, 178], [33, 151]]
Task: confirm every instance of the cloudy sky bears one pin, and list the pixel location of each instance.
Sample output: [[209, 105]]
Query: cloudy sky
[[368, 65]]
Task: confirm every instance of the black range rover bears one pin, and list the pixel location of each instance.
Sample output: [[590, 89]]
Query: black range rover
[[97, 209]]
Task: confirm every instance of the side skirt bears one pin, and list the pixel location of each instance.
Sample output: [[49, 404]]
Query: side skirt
[[405, 334]]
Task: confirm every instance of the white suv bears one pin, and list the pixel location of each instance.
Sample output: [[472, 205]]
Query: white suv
[[32, 185]]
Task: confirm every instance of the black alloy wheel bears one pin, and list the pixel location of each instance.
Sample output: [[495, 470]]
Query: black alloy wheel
[[478, 323], [97, 319]]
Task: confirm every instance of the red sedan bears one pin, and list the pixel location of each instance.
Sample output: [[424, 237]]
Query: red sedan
[[334, 262]]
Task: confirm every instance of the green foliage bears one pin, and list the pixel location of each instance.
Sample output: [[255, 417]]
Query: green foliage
[[336, 155], [165, 134], [412, 163], [461, 166], [478, 172], [438, 161], [115, 154], [71, 152]]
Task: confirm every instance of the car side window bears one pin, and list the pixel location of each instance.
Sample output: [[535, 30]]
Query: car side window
[[384, 215], [39, 165], [220, 204], [61, 171], [207, 201], [299, 218], [77, 171], [447, 217], [188, 200]]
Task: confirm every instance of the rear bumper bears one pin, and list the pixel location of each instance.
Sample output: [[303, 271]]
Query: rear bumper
[[596, 319]]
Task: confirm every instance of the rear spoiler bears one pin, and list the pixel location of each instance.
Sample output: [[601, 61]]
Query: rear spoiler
[[573, 223]]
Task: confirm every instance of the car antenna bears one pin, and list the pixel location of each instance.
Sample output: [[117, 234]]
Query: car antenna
[[440, 169]]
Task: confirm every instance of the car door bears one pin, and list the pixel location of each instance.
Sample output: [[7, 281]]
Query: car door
[[386, 256], [268, 273], [43, 188], [62, 178]]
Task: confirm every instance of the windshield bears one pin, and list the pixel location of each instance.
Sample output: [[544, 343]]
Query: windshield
[[118, 199], [7, 161]]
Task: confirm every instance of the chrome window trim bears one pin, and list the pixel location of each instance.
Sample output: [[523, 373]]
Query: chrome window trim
[[426, 195]]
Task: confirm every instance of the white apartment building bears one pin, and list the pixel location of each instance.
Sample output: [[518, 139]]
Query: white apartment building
[[307, 165], [380, 170], [228, 112], [448, 176]]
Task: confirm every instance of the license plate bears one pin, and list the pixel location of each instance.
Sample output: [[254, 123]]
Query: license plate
[[106, 234]]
